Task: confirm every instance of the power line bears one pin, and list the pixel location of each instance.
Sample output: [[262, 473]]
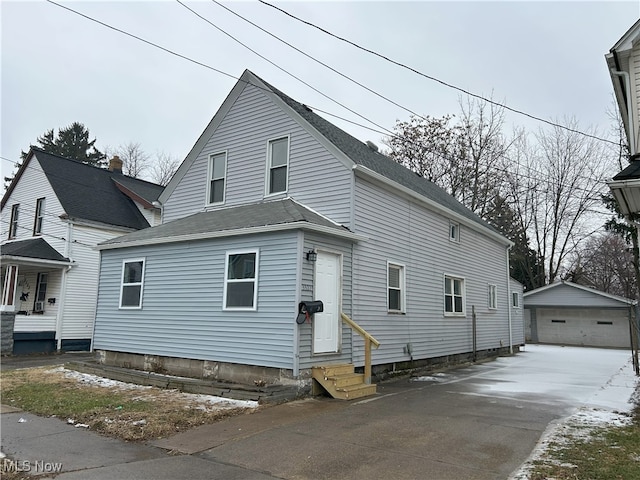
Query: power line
[[281, 68], [77, 242], [311, 57], [269, 91], [442, 82]]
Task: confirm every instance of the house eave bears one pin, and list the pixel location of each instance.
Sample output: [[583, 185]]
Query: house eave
[[346, 234], [626, 301], [432, 205], [35, 262], [627, 194]]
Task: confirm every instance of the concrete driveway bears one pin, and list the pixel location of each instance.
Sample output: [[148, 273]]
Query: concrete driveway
[[479, 422]]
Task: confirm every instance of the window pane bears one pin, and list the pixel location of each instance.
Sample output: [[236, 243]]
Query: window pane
[[394, 300], [394, 277], [240, 294], [448, 304], [219, 162], [242, 266], [279, 152], [132, 272], [457, 287], [131, 296], [447, 286], [217, 191], [458, 304], [278, 181]]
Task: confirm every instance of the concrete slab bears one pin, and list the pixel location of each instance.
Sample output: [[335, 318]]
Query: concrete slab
[[169, 468], [8, 409], [50, 440]]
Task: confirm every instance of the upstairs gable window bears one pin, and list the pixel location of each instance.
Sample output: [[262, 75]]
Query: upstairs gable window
[[454, 232], [13, 223], [217, 176], [277, 165], [37, 222]]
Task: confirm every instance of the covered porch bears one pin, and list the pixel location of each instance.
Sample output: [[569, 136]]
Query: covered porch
[[33, 278]]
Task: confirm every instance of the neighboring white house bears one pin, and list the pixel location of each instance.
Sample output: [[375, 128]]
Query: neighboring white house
[[566, 313], [623, 61], [53, 214], [275, 206]]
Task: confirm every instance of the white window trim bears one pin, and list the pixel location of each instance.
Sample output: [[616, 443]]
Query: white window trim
[[492, 296], [515, 296], [456, 238], [13, 221], [39, 215], [227, 280], [267, 178], [141, 283], [463, 293], [210, 179], [403, 289]]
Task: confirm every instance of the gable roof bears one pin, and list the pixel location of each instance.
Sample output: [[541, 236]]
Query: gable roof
[[351, 150], [91, 193], [285, 214], [36, 248], [570, 285]]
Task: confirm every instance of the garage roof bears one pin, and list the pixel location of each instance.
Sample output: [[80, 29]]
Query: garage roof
[[568, 294]]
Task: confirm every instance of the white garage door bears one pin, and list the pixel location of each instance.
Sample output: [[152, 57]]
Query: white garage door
[[588, 327]]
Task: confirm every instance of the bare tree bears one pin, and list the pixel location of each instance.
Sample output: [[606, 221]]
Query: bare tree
[[135, 160], [558, 183], [163, 168], [605, 262]]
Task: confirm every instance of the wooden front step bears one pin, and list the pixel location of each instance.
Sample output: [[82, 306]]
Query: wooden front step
[[340, 381]]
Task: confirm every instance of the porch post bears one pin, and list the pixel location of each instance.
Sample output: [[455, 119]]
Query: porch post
[[9, 288]]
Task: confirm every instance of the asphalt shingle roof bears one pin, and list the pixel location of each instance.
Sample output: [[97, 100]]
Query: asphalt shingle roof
[[631, 172], [32, 248], [362, 154], [229, 219], [89, 193]]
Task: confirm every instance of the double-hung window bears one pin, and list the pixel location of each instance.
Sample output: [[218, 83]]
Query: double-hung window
[[41, 292], [132, 283], [217, 178], [240, 280], [39, 217], [492, 299], [277, 165], [395, 288], [13, 222], [515, 300], [453, 296]]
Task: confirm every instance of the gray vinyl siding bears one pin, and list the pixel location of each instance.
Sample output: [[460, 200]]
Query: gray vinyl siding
[[566, 295], [517, 314], [182, 313], [305, 331], [316, 178], [403, 232]]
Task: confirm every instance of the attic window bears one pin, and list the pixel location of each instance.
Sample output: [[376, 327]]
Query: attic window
[[37, 222], [454, 231], [217, 176], [277, 165], [13, 223]]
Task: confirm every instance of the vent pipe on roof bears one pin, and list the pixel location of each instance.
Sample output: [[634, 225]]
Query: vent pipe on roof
[[372, 145], [115, 164]]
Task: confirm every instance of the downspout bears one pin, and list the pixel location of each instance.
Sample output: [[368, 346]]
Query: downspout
[[63, 285], [627, 89], [509, 301]]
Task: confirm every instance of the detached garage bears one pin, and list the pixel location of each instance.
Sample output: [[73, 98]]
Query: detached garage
[[569, 314]]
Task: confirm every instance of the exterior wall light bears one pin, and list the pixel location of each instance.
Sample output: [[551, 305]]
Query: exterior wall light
[[312, 256]]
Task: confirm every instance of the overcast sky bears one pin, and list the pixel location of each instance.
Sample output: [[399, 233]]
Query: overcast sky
[[545, 58]]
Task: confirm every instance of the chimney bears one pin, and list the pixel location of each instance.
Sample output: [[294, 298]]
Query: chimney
[[115, 164]]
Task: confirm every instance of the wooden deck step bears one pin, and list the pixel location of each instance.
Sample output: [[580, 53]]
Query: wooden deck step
[[341, 382]]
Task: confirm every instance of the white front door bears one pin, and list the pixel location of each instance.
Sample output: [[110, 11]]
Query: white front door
[[326, 325]]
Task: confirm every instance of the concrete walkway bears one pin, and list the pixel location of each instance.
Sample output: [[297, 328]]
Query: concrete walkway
[[479, 422]]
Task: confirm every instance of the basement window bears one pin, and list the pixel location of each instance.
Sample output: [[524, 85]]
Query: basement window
[[605, 323], [558, 321]]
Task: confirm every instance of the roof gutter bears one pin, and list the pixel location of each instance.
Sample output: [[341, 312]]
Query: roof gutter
[[431, 204], [625, 80], [34, 261], [344, 233]]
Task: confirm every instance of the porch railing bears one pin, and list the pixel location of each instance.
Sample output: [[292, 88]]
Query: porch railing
[[368, 340]]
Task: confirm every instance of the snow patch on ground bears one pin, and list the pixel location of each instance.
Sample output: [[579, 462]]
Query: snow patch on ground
[[611, 406], [199, 401]]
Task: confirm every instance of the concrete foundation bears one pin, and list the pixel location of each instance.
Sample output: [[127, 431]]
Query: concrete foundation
[[262, 376], [8, 320]]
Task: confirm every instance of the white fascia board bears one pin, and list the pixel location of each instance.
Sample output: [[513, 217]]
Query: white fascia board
[[237, 232], [99, 225], [35, 262], [431, 204]]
